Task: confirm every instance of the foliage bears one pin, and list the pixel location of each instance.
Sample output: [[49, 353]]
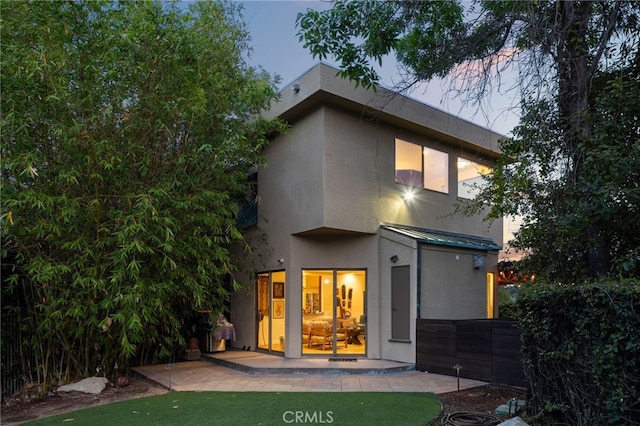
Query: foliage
[[570, 213], [507, 297], [359, 32], [581, 352], [571, 168], [128, 132]]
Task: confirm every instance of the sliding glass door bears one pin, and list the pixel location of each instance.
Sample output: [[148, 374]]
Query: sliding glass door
[[334, 311]]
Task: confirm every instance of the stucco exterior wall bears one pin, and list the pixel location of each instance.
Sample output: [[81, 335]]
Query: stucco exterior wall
[[330, 184], [451, 287], [243, 315], [405, 249], [360, 191], [346, 252], [290, 188], [339, 159], [289, 199]]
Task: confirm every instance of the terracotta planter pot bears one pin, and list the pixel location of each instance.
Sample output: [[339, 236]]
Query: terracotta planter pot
[[192, 343]]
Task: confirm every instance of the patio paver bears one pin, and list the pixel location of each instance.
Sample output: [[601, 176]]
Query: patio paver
[[298, 375]]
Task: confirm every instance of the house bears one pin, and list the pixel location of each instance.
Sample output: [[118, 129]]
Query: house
[[355, 239]]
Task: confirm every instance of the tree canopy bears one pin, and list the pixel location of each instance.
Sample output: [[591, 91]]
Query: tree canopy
[[572, 167], [128, 133]]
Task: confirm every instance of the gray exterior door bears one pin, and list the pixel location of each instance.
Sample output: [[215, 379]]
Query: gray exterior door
[[400, 299]]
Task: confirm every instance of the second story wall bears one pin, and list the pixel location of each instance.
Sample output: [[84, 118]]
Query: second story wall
[[290, 187], [360, 190], [335, 168]]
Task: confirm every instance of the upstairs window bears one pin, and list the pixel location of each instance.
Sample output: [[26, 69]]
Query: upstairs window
[[422, 167], [436, 170], [471, 176], [408, 164]]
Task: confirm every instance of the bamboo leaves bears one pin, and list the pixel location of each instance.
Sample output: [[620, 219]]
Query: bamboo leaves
[[117, 222]]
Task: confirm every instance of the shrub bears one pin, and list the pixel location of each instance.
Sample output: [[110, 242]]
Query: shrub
[[507, 307], [581, 352]]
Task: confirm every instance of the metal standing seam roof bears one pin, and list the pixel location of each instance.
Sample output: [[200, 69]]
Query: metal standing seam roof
[[442, 238]]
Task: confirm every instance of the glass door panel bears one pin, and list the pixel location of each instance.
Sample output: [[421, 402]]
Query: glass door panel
[[317, 305], [351, 319], [271, 311], [263, 317], [278, 311]]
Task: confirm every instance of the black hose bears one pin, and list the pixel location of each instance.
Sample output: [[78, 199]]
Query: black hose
[[468, 418]]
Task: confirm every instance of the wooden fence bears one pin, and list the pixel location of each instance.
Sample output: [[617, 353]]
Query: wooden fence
[[487, 350]]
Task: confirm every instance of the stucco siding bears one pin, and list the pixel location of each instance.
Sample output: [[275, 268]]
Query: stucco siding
[[348, 252], [360, 191], [451, 287], [350, 173], [290, 186], [405, 250], [330, 184]]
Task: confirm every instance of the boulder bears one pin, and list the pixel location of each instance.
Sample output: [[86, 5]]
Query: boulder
[[92, 385]]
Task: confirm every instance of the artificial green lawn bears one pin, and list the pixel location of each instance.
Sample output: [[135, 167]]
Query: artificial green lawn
[[260, 408]]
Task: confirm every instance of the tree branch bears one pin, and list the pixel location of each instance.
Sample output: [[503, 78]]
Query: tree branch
[[605, 37]]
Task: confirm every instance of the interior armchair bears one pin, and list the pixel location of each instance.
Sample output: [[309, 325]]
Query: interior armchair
[[352, 329], [306, 333], [321, 334]]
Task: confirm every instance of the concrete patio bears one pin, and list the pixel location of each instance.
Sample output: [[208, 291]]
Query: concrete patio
[[245, 371]]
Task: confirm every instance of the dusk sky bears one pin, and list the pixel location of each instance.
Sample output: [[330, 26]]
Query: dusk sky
[[276, 48]]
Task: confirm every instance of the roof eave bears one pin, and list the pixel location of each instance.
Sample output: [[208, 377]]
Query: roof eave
[[320, 85]]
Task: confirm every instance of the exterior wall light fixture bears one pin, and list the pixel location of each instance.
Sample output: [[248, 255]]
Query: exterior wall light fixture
[[409, 194]]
